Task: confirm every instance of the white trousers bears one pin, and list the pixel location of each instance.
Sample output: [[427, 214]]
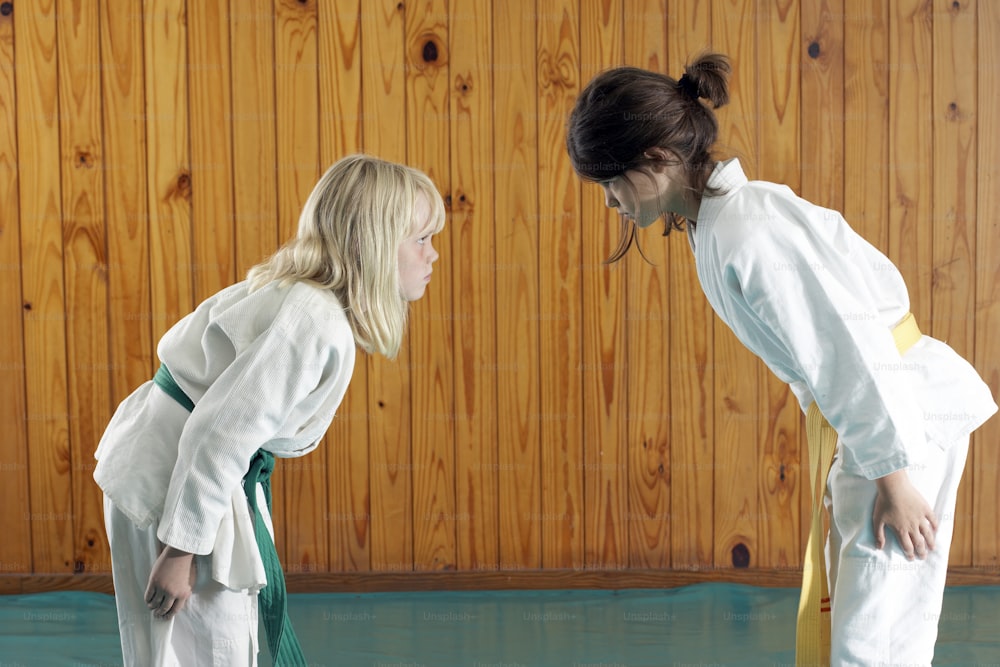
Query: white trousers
[[218, 625], [885, 608]]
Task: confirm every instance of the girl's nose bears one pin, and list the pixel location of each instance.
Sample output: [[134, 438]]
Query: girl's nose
[[433, 252]]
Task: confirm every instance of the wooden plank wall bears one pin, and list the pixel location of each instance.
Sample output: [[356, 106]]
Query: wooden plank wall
[[547, 411]]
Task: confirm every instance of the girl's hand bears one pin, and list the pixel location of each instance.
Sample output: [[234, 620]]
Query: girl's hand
[[170, 582], [901, 507]]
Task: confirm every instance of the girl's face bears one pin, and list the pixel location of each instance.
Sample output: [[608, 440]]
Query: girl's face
[[417, 254], [645, 195]]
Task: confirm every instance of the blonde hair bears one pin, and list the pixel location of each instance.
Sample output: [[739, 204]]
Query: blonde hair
[[348, 239]]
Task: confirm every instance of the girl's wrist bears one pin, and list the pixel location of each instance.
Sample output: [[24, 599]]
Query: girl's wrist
[[174, 552], [892, 480]]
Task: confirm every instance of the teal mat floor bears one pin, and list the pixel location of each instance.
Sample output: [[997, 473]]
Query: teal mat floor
[[707, 625]]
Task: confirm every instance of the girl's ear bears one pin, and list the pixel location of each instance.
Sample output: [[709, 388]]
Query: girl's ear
[[660, 158], [661, 155]]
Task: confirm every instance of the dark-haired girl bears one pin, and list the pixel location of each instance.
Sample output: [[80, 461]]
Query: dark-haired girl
[[829, 315]]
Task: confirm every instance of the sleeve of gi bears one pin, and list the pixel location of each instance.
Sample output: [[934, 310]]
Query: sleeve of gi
[[244, 408], [846, 355]]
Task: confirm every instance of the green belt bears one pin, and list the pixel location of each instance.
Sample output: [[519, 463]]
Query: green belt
[[281, 639]]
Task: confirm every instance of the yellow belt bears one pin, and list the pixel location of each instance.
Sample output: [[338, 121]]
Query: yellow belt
[[812, 633]]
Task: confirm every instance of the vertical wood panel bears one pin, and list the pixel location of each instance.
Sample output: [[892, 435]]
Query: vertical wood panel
[[84, 267], [823, 103], [384, 129], [692, 369], [125, 206], [648, 394], [866, 119], [434, 418], [168, 170], [738, 407], [251, 122], [562, 517], [15, 550], [348, 512], [985, 475], [472, 256], [953, 284], [302, 480], [50, 509], [605, 451], [910, 148], [515, 209], [210, 79]]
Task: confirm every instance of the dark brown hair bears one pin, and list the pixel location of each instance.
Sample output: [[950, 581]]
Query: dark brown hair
[[624, 112]]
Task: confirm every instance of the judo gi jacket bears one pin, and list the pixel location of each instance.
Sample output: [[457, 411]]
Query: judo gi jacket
[[817, 303], [265, 369]]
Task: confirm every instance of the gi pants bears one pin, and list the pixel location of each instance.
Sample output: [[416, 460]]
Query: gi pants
[[218, 625], [885, 608]]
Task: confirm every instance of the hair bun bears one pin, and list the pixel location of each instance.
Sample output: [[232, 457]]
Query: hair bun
[[708, 77]]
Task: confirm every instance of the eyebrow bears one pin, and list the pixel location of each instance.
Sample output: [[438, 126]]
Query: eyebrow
[[427, 230]]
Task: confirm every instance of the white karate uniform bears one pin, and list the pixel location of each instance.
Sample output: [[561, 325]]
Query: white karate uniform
[[817, 303], [265, 369]]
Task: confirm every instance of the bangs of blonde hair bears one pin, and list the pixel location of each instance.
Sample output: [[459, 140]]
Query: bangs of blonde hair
[[348, 239]]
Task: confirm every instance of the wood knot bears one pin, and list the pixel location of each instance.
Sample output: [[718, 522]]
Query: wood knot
[[781, 472], [182, 186], [956, 5], [430, 51], [84, 159], [952, 112], [813, 49], [400, 6], [427, 52], [381, 404], [27, 305], [6, 8], [741, 556], [447, 201], [462, 84]]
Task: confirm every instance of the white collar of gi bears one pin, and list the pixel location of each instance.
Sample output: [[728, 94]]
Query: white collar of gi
[[728, 177]]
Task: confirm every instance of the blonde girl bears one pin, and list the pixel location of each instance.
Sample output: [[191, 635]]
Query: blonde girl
[[256, 371]]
